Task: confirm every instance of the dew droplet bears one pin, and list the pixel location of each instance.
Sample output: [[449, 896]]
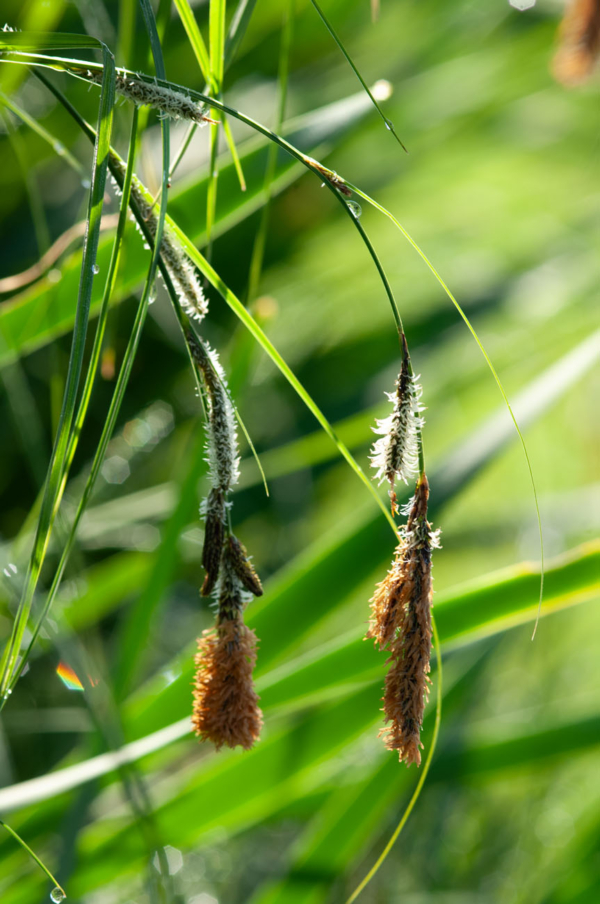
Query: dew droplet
[[85, 183], [389, 125], [7, 693], [57, 895], [95, 269], [355, 208]]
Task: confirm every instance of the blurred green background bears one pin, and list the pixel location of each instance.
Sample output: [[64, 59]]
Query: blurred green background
[[500, 189]]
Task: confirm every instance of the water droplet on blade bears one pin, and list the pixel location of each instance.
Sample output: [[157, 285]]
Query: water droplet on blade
[[57, 895], [85, 183], [95, 269], [355, 208]]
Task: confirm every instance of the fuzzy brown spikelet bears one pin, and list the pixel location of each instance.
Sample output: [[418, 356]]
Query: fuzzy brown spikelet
[[579, 42], [401, 624], [243, 567], [226, 707]]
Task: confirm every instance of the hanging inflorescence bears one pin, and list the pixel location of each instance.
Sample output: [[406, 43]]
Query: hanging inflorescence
[[225, 707], [400, 621], [225, 703]]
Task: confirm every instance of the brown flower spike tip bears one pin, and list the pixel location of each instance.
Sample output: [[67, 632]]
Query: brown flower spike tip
[[401, 624], [226, 707], [579, 45]]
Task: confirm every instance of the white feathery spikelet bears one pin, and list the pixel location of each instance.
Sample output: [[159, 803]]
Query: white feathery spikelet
[[222, 445], [395, 455], [222, 440], [172, 103], [417, 533], [184, 276]]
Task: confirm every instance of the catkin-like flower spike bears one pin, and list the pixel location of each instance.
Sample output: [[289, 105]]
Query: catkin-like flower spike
[[226, 707], [579, 42], [395, 455], [171, 102], [401, 624], [222, 444], [181, 270]]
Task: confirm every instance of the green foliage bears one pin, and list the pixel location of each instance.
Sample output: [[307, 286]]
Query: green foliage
[[496, 191]]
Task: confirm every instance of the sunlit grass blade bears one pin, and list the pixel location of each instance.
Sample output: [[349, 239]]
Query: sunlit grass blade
[[237, 28], [199, 47], [55, 470], [234, 153], [213, 180], [126, 31], [85, 401], [195, 38], [57, 888], [258, 249], [388, 123], [56, 145], [216, 43]]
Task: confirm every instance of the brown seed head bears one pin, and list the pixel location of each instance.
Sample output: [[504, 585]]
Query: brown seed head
[[226, 707], [401, 623]]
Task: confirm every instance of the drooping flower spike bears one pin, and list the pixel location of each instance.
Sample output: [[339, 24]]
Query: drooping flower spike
[[225, 707], [401, 624]]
